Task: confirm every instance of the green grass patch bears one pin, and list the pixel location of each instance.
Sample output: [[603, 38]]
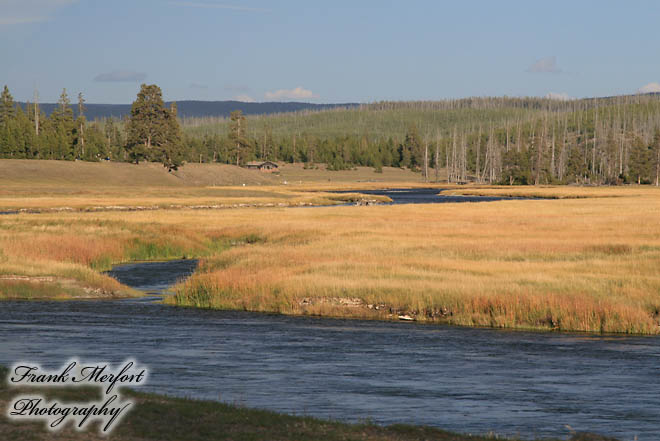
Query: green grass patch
[[16, 289], [141, 249]]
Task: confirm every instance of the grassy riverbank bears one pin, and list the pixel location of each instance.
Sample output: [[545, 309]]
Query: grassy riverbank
[[554, 192], [157, 417], [579, 265], [588, 260], [590, 264]]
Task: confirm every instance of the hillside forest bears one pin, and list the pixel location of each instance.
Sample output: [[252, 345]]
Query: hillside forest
[[501, 140]]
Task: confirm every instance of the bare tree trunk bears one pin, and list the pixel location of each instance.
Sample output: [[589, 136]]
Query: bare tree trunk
[[453, 157], [562, 156], [437, 154], [447, 163], [657, 165], [36, 112], [477, 167], [82, 141], [463, 158], [552, 160], [593, 149], [622, 148], [426, 161]]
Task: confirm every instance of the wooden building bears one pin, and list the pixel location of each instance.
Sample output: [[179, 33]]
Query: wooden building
[[264, 166]]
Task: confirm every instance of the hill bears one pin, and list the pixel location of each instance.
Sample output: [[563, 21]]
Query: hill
[[490, 139], [194, 109], [82, 174], [79, 176]]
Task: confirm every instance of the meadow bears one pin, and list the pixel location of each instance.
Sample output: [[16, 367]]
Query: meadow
[[588, 261]]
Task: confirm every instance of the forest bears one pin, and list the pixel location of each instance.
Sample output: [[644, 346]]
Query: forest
[[500, 140]]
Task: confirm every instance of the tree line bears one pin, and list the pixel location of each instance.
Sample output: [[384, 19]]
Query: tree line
[[151, 133], [490, 140]]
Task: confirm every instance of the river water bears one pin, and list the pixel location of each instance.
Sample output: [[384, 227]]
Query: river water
[[425, 196], [468, 380], [461, 379]]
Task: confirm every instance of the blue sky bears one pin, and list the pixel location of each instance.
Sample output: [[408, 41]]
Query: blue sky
[[328, 51]]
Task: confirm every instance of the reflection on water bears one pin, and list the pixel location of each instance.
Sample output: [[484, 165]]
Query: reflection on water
[[468, 380], [425, 196]]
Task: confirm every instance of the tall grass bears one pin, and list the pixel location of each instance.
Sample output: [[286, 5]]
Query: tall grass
[[574, 265], [589, 264]]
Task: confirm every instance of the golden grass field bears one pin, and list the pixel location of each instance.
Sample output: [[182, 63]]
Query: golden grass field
[[587, 262], [83, 186]]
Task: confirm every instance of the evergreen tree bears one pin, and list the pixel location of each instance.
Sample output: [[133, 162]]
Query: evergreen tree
[[640, 162], [96, 146], [149, 125], [411, 150], [64, 129], [6, 107], [114, 141], [23, 136], [656, 155], [63, 111], [171, 151]]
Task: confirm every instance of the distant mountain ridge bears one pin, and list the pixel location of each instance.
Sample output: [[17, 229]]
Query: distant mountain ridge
[[190, 108]]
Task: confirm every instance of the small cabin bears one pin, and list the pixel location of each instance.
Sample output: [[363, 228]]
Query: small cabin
[[264, 166]]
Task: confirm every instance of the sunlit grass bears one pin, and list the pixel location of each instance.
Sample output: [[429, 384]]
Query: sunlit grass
[[590, 264], [555, 192]]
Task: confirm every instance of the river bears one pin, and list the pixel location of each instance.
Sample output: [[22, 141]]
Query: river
[[462, 379], [426, 196]]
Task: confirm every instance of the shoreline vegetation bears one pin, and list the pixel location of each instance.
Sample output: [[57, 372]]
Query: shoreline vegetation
[[588, 260], [161, 417]]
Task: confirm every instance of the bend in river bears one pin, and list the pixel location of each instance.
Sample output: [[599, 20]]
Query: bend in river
[[467, 380]]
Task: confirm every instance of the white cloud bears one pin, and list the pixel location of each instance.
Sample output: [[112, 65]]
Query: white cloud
[[545, 65], [121, 76], [299, 93], [191, 4], [649, 88], [563, 96], [244, 98], [17, 12]]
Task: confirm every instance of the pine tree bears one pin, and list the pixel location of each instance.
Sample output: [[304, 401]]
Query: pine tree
[[640, 162], [64, 127], [411, 151], [148, 126], [656, 155], [63, 111], [171, 151], [6, 106]]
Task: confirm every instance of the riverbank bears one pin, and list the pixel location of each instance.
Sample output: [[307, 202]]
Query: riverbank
[[158, 417], [568, 265], [590, 264]]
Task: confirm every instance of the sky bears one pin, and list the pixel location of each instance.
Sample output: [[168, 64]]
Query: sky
[[328, 51]]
